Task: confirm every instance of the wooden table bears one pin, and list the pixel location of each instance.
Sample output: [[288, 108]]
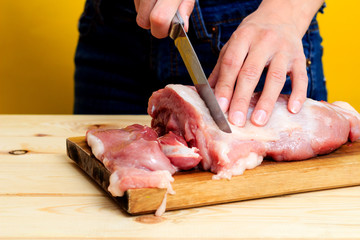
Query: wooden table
[[43, 194]]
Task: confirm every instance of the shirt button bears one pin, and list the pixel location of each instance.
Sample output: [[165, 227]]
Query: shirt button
[[308, 62]]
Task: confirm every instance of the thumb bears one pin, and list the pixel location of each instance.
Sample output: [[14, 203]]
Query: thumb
[[185, 9]]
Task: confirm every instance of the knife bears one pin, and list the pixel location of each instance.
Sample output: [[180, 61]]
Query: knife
[[192, 63]]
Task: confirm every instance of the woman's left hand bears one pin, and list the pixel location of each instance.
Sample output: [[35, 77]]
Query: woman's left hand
[[266, 38]]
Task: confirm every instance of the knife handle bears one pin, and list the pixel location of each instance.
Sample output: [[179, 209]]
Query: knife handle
[[176, 23]]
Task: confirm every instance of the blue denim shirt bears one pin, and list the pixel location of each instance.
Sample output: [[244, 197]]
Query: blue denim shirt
[[119, 65]]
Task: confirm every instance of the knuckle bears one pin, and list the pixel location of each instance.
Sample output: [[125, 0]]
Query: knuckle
[[240, 102], [287, 47], [224, 86], [283, 55], [277, 76], [269, 35], [142, 22], [267, 103], [246, 29], [157, 19], [242, 33], [250, 72], [229, 62], [237, 34], [226, 61]]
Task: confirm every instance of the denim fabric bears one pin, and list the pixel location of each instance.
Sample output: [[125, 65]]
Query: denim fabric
[[119, 65]]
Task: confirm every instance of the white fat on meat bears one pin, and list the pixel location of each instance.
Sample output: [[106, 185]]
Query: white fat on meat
[[97, 147], [318, 128], [125, 178], [251, 161]]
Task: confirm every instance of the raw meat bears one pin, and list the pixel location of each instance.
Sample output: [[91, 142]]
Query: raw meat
[[318, 128], [137, 158], [189, 138], [133, 156], [177, 150]]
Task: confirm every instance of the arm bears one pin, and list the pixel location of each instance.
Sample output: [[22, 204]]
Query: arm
[[271, 36]]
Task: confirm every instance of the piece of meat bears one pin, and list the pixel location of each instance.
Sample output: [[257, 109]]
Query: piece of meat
[[177, 150], [137, 158], [350, 114], [318, 128], [133, 156]]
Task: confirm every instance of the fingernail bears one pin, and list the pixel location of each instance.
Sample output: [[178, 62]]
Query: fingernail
[[260, 117], [223, 102], [186, 20], [238, 118], [295, 106]]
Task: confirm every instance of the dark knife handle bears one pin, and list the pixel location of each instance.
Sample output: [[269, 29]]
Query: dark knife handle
[[176, 23]]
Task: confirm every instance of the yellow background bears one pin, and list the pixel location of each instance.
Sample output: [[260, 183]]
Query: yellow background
[[38, 40]]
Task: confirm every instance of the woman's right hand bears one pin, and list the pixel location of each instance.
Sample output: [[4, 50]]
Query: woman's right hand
[[156, 15]]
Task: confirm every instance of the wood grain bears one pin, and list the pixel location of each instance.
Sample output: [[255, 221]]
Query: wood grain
[[196, 188], [332, 214], [45, 195]]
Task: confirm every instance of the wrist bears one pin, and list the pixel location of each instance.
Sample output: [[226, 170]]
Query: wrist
[[299, 13]]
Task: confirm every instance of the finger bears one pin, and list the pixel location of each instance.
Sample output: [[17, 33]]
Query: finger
[[215, 72], [185, 9], [136, 3], [247, 80], [275, 79], [144, 9], [161, 16], [299, 80], [230, 65]]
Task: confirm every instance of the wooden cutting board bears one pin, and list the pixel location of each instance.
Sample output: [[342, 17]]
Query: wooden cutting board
[[196, 188]]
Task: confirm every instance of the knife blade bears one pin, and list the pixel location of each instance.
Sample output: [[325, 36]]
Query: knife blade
[[192, 63]]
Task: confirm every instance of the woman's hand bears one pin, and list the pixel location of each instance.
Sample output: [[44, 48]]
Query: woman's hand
[[157, 14], [269, 37]]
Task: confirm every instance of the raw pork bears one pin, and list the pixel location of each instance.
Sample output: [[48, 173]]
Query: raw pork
[[138, 158], [177, 150], [318, 128], [133, 156]]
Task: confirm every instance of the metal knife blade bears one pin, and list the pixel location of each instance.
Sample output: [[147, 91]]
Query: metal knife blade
[[192, 63]]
